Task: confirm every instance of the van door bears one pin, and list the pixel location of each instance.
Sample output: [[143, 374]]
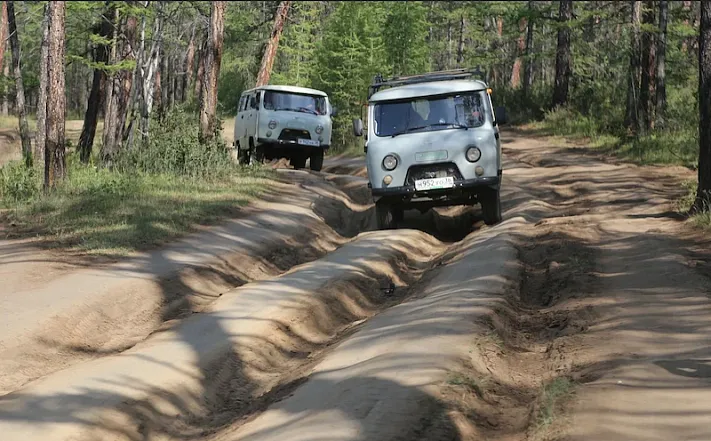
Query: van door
[[253, 117], [239, 121]]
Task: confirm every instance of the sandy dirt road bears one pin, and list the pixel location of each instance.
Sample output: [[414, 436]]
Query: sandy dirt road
[[453, 332]]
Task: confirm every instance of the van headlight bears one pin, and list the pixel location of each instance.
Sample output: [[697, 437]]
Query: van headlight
[[389, 162], [272, 124], [319, 130], [473, 154]]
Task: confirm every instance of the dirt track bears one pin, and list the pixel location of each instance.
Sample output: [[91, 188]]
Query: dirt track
[[450, 332]]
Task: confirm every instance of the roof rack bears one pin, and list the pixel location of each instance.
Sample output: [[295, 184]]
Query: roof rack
[[443, 75]]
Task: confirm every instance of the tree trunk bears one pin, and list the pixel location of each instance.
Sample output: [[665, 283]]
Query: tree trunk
[[96, 96], [187, 81], [686, 7], [19, 86], [460, 46], [54, 160], [632, 116], [200, 71], [148, 72], [563, 57], [265, 70], [41, 131], [528, 70], [661, 59], [703, 194], [521, 49], [3, 33], [6, 90], [213, 59], [118, 92], [646, 93]]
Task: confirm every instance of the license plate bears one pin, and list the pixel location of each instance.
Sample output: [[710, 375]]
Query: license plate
[[439, 155], [311, 142], [434, 183]]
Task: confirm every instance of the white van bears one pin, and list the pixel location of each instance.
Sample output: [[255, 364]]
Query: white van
[[283, 122]]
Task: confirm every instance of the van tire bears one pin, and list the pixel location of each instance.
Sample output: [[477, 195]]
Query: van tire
[[242, 155], [490, 200], [316, 160], [385, 216], [298, 162], [256, 154]]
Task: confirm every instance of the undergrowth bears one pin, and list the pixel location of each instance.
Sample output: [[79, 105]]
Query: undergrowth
[[550, 408], [155, 193]]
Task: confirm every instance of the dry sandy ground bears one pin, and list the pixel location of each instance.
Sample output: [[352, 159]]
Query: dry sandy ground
[[592, 278]]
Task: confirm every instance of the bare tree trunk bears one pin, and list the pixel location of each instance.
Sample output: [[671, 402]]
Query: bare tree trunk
[[41, 132], [201, 71], [460, 46], [110, 108], [3, 32], [521, 49], [187, 81], [119, 94], [686, 6], [563, 57], [632, 116], [213, 59], [703, 194], [55, 162], [20, 100], [448, 63], [147, 71], [661, 59], [6, 91], [646, 93], [265, 70], [96, 96], [528, 70]]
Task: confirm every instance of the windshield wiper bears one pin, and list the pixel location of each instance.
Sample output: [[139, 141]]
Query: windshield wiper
[[412, 129]]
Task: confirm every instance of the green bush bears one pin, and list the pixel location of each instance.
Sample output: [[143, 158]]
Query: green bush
[[173, 148], [19, 183]]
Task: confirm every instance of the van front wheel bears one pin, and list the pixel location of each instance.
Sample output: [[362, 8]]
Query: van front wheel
[[316, 159], [385, 215], [490, 200]]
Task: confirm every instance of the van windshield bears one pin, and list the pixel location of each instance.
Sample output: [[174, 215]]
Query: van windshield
[[461, 110], [294, 102]]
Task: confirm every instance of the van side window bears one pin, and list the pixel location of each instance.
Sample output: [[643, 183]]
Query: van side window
[[252, 102], [242, 99], [257, 100]]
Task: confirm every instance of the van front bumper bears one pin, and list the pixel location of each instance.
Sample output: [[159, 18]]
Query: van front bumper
[[289, 142], [464, 186]]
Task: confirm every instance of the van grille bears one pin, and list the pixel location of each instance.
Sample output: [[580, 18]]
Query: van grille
[[293, 134], [429, 171]]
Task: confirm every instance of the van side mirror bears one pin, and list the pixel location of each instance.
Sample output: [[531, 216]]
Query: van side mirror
[[334, 111], [501, 117], [357, 127]]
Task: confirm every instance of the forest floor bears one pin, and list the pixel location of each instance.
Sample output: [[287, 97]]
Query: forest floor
[[585, 315]]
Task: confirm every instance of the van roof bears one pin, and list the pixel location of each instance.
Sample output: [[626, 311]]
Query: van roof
[[428, 89], [289, 89]]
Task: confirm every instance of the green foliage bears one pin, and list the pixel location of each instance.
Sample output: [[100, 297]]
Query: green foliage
[[348, 57], [405, 31], [173, 147], [18, 183], [112, 212]]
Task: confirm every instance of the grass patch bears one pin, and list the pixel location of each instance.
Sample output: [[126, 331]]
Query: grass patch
[[683, 205], [677, 146], [477, 386], [551, 407], [113, 213], [155, 192]]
